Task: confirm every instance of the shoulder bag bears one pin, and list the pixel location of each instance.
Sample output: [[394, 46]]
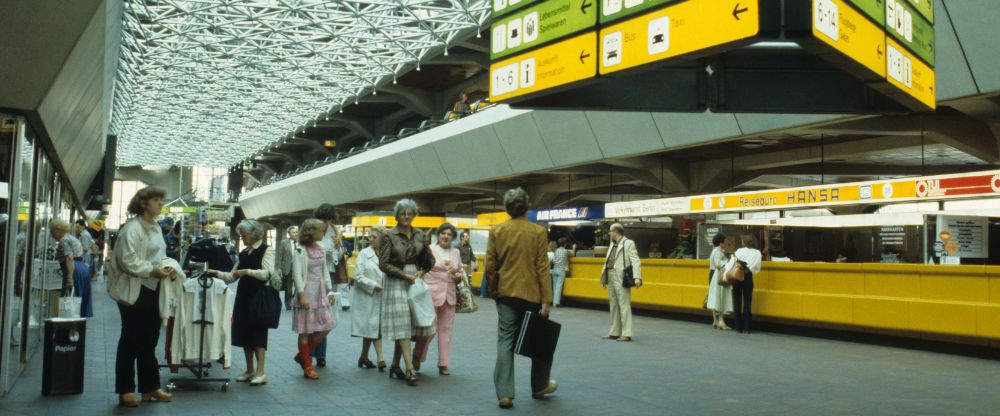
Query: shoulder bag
[[265, 305], [628, 278], [734, 275]]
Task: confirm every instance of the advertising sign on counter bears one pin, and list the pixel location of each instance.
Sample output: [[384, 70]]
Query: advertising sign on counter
[[566, 214], [961, 236], [646, 208]]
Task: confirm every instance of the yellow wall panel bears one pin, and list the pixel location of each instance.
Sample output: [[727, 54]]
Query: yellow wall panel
[[840, 283], [993, 274], [943, 317], [834, 309], [988, 320], [778, 304], [895, 282], [882, 313], [785, 280], [954, 287]]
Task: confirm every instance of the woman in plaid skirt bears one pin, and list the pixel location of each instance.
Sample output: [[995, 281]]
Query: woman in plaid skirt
[[400, 254], [312, 318]]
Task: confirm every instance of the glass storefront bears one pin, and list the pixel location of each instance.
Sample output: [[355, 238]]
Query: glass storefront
[[31, 280]]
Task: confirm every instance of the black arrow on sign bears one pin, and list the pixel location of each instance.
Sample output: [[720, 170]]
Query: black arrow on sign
[[737, 10], [584, 6], [583, 55], [878, 49]]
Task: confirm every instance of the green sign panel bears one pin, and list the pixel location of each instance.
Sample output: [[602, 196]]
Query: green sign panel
[[504, 7], [907, 26], [925, 7], [871, 8], [541, 24], [612, 10]]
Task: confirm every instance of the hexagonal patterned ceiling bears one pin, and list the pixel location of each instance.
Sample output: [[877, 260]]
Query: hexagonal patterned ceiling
[[211, 82]]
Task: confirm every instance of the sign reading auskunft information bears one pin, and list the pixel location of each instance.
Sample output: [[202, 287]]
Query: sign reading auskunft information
[[540, 24], [913, 81], [684, 30], [552, 66], [842, 35], [908, 27], [504, 7], [612, 10]]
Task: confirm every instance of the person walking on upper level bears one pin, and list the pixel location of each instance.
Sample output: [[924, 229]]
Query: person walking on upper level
[[399, 257], [284, 257], [749, 258], [257, 262], [134, 276], [621, 256], [369, 284], [517, 272], [442, 280], [313, 316]]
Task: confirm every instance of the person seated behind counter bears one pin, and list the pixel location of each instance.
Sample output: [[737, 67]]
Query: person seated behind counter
[[654, 251]]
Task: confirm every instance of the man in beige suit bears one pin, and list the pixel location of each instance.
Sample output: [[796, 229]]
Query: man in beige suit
[[621, 254]]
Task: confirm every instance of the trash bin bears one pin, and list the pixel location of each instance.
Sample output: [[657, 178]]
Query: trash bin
[[63, 355]]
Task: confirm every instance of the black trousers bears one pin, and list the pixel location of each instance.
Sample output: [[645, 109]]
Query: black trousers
[[140, 334], [742, 301]]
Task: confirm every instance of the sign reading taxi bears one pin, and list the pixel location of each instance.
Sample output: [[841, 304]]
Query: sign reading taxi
[[556, 65], [684, 30], [540, 24]]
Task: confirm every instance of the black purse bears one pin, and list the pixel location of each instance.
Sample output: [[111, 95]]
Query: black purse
[[628, 278], [265, 308]]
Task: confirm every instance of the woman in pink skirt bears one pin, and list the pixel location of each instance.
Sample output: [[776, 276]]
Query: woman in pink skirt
[[442, 281], [312, 318]]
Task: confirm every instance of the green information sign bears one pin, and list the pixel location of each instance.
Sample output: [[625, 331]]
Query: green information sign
[[540, 24], [505, 7], [874, 9], [925, 7], [907, 26], [612, 10]]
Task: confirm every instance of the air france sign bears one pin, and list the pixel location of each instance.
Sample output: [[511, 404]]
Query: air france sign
[[566, 214]]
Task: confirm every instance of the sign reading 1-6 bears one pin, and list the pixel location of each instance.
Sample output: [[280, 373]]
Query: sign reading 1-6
[[558, 64]]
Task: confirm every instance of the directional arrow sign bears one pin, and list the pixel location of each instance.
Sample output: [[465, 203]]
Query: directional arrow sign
[[503, 7], [612, 10], [908, 27], [874, 9], [540, 24], [840, 34], [556, 65], [912, 81], [683, 31], [924, 7]]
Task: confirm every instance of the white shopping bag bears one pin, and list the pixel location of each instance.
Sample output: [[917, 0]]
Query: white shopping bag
[[69, 307], [421, 304]]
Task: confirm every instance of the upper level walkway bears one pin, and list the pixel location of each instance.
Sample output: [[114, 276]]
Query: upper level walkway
[[672, 368]]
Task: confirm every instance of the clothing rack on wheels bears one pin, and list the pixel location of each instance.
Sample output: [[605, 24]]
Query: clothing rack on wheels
[[200, 367]]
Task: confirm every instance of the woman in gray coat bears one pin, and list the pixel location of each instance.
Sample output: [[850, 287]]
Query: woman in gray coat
[[367, 300]]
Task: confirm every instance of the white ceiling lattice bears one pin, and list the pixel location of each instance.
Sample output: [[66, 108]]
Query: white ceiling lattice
[[211, 82]]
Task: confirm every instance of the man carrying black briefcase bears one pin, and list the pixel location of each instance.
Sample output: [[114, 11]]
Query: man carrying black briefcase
[[517, 274]]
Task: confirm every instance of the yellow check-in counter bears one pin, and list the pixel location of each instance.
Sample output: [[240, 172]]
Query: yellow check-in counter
[[947, 303]]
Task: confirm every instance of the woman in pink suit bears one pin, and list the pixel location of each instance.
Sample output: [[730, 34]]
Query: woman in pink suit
[[442, 281]]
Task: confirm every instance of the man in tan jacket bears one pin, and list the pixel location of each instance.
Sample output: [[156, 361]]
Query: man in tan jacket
[[517, 274], [621, 255]]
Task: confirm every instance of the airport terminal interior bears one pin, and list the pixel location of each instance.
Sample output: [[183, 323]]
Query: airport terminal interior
[[653, 207]]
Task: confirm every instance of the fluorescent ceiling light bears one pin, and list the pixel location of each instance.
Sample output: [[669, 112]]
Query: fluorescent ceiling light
[[210, 83]]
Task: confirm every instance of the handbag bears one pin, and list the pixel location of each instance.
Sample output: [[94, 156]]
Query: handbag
[[421, 304], [466, 302], [265, 308], [734, 275], [628, 278], [69, 307]]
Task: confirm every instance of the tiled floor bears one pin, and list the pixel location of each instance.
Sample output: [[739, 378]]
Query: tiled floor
[[672, 368]]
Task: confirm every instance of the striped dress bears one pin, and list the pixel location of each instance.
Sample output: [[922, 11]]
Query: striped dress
[[399, 255]]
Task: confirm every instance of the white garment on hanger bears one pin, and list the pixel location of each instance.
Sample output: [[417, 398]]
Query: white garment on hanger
[[217, 287], [217, 337]]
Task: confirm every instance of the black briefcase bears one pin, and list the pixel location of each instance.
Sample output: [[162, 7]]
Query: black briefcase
[[538, 337]]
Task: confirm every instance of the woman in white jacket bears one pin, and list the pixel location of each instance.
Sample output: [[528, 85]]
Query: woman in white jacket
[[367, 300], [134, 280]]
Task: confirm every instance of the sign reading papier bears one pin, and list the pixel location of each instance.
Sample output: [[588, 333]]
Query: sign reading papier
[[961, 236]]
